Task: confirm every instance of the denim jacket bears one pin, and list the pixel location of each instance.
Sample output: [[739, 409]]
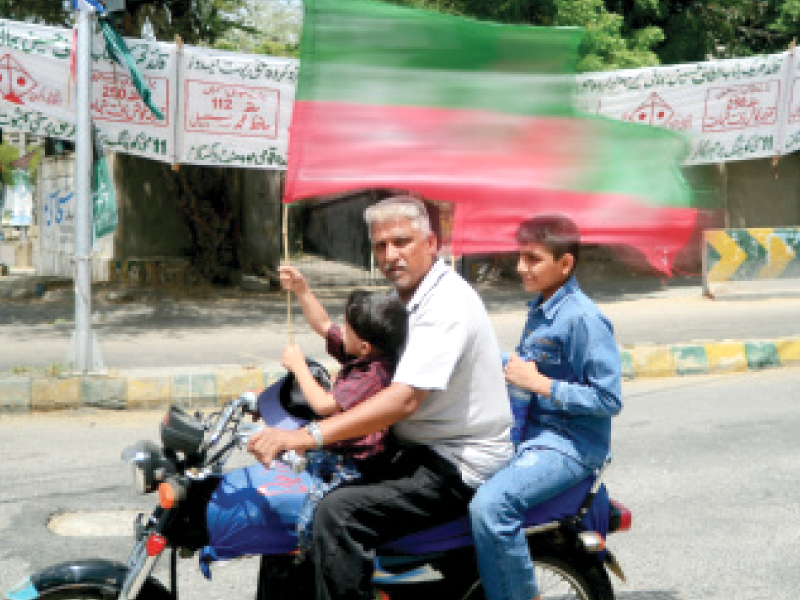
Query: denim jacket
[[573, 344]]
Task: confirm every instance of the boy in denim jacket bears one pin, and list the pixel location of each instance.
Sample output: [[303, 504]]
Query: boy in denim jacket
[[565, 383]]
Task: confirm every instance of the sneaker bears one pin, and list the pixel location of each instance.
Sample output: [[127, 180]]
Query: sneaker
[[381, 595]]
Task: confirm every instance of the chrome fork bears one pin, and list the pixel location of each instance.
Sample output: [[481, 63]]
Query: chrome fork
[[140, 564]]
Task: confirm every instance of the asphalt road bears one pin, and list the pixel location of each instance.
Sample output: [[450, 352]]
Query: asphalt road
[[252, 330], [708, 465]]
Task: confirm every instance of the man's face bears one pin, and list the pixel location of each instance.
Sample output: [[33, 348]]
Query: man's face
[[540, 271], [404, 254]]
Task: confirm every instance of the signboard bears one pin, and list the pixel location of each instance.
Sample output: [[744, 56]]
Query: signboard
[[38, 92], [229, 109], [729, 109], [236, 109]]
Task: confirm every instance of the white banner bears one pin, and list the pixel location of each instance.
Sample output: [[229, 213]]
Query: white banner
[[236, 109], [39, 93], [229, 109], [730, 109]]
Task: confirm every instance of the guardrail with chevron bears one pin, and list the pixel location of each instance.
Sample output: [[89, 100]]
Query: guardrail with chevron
[[745, 259]]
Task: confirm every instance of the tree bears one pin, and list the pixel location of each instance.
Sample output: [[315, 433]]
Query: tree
[[695, 30], [198, 22], [202, 22], [274, 29], [609, 42], [8, 154], [48, 12]]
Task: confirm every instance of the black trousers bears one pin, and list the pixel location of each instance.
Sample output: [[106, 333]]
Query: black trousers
[[402, 491]]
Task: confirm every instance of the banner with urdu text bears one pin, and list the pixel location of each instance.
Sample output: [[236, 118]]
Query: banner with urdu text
[[230, 109], [37, 87], [220, 108], [734, 109]]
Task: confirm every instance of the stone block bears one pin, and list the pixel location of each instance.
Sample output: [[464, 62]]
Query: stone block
[[194, 389], [148, 392], [55, 393], [232, 382], [15, 394], [655, 361], [103, 392], [690, 359], [726, 357]]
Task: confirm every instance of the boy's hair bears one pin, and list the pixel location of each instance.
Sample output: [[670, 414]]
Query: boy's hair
[[379, 319], [557, 233]]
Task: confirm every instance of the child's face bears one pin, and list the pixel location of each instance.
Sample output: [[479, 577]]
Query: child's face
[[541, 273], [354, 345]]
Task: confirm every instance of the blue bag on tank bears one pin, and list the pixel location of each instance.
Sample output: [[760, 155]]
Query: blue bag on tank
[[254, 510]]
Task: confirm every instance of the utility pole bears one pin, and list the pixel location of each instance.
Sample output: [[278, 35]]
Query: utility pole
[[84, 354]]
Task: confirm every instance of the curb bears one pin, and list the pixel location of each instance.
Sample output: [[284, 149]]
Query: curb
[[706, 358], [142, 389], [199, 388]]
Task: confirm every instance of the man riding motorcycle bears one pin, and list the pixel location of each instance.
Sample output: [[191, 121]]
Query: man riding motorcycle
[[447, 406]]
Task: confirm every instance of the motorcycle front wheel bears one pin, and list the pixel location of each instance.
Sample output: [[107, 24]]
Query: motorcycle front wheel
[[150, 591]]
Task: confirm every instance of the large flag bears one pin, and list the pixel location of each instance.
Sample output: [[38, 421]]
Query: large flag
[[480, 115]]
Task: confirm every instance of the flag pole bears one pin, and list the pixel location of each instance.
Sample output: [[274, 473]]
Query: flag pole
[[285, 228]]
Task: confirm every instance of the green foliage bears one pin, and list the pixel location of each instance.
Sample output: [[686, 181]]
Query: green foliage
[[610, 42], [197, 22], [273, 28], [35, 161], [49, 12], [8, 154]]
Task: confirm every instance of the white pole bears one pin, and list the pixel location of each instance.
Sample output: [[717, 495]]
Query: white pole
[[82, 340]]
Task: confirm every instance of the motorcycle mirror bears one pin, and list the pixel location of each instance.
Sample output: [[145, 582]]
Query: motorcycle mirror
[[249, 402]]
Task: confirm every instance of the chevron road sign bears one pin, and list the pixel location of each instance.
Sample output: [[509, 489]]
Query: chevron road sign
[[754, 255]]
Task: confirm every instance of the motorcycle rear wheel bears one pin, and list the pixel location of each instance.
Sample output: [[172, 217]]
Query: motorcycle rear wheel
[[559, 574], [571, 578], [150, 591]]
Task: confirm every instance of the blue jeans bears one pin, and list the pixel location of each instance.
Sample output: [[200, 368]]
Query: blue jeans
[[533, 476], [328, 471]]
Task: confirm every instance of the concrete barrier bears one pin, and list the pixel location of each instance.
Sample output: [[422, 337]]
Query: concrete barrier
[[752, 260]]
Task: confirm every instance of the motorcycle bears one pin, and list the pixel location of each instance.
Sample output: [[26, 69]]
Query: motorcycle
[[205, 511]]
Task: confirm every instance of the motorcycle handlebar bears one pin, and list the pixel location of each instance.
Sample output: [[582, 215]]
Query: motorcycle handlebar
[[297, 462]]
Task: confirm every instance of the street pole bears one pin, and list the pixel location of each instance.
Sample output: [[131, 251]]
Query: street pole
[[84, 352]]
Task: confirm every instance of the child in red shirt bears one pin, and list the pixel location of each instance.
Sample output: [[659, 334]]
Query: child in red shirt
[[368, 346]]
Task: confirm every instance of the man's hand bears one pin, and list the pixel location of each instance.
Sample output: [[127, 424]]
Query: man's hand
[[293, 358], [526, 375], [292, 280], [270, 443]]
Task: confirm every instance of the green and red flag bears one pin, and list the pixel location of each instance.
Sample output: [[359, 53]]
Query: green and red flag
[[480, 115]]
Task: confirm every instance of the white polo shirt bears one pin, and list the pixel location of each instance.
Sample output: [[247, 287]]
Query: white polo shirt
[[452, 351]]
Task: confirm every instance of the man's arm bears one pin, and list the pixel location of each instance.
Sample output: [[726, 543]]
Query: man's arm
[[380, 411]]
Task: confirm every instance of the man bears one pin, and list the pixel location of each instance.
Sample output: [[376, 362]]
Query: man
[[447, 406]]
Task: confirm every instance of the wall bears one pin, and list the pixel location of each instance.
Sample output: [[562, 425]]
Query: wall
[[151, 224], [260, 244], [756, 198], [55, 217]]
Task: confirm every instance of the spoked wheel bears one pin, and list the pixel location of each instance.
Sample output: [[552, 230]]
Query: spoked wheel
[[149, 591], [560, 576], [562, 580]]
